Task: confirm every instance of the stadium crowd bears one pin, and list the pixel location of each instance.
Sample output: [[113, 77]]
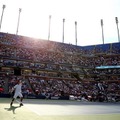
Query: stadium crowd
[[49, 68]]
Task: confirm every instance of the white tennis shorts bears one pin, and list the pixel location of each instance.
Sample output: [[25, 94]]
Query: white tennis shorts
[[17, 94]]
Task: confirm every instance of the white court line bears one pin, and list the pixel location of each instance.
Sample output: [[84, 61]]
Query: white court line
[[28, 107], [32, 110], [17, 101]]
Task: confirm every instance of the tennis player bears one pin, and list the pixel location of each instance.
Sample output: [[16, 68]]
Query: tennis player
[[17, 93]]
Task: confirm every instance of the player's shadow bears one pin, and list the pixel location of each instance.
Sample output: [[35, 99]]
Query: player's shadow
[[12, 108]]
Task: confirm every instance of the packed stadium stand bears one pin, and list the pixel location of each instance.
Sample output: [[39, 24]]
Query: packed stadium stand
[[53, 70]]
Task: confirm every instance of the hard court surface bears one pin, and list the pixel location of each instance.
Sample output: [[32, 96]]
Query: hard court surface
[[37, 109]]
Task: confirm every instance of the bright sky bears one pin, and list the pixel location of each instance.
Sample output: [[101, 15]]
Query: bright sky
[[34, 19]]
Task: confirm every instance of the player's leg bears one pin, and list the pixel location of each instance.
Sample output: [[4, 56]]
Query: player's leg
[[21, 99], [14, 97], [12, 101]]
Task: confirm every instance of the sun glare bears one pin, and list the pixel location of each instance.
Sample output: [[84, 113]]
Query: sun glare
[[34, 19]]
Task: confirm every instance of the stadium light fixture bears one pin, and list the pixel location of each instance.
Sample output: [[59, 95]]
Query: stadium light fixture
[[49, 27], [63, 30], [76, 32], [116, 19], [18, 20], [102, 30], [4, 6]]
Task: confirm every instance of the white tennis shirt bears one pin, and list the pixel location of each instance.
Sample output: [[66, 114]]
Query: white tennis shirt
[[17, 88]]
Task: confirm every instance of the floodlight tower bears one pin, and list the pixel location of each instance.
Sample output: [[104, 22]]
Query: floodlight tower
[[102, 30], [49, 27], [76, 32], [63, 29], [18, 20], [116, 19], [2, 16]]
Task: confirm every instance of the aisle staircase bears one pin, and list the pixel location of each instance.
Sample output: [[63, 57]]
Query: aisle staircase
[[5, 87], [29, 85]]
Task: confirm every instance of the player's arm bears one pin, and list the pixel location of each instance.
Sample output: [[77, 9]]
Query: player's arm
[[12, 90]]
